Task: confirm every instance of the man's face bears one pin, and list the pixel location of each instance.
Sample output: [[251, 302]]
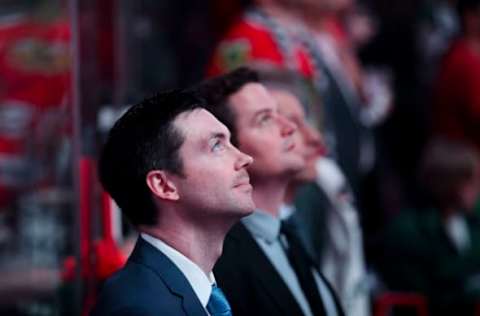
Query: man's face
[[309, 142], [264, 133], [215, 172]]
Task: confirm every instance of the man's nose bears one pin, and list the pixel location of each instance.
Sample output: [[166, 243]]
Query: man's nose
[[243, 160], [287, 127]]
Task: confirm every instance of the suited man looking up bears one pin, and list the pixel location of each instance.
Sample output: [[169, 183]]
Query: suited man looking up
[[320, 204], [263, 269], [170, 166]]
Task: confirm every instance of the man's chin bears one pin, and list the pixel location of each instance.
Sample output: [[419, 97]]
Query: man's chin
[[248, 210], [244, 209]]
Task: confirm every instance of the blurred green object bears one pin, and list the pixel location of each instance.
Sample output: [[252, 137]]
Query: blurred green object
[[418, 256]]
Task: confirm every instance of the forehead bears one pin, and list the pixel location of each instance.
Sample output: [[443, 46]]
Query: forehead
[[288, 103], [250, 100], [198, 124]]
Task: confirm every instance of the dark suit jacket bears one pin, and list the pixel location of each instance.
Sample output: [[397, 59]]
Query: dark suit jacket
[[250, 282], [149, 285], [312, 206]]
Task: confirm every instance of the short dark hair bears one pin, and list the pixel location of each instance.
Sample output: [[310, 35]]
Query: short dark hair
[[144, 139], [275, 78], [445, 166], [282, 79], [216, 92]]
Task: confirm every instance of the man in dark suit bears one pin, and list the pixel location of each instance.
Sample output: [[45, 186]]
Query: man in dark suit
[[263, 269], [170, 166]]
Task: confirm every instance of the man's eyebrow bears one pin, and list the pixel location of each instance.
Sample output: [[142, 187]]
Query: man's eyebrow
[[262, 111], [265, 110], [222, 135]]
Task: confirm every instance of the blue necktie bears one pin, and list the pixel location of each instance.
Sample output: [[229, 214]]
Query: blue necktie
[[218, 304]]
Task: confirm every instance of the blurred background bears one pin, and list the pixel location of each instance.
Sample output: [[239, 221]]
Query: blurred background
[[69, 68]]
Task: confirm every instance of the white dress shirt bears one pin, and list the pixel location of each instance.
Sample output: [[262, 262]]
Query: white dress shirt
[[343, 262], [200, 282], [457, 230]]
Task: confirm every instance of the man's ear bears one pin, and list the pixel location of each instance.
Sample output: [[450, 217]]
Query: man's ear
[[161, 186]]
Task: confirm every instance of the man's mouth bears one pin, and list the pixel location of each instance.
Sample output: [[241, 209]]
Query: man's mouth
[[242, 181]]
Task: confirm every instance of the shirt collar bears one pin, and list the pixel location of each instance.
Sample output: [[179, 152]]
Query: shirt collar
[[286, 211], [263, 225], [198, 280]]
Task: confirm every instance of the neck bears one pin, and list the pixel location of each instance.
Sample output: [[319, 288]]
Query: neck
[[268, 195], [290, 192], [201, 242]]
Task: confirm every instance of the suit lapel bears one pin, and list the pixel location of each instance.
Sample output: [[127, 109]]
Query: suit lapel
[[265, 272], [338, 305], [325, 281], [311, 205], [173, 278]]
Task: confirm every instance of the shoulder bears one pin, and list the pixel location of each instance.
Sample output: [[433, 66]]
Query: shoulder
[[413, 228], [234, 270], [234, 242], [238, 251], [135, 288], [310, 195]]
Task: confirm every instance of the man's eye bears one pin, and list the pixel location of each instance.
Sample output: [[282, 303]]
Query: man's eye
[[217, 146], [265, 119]]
